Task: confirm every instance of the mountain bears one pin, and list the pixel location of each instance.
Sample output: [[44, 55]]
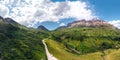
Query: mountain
[[18, 42], [90, 23], [79, 40], [41, 27], [82, 38], [8, 20]]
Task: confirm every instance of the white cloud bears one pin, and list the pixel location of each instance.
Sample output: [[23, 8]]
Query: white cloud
[[62, 24], [3, 10], [116, 23], [29, 12]]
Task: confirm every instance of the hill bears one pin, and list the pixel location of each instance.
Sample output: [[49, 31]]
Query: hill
[[80, 38], [42, 28], [88, 36], [18, 42], [61, 52]]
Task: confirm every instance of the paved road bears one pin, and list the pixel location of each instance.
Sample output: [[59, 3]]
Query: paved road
[[49, 56]]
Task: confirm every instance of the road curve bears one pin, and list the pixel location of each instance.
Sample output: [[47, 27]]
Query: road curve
[[49, 56]]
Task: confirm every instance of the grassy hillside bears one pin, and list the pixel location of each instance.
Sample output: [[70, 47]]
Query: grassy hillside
[[87, 39], [21, 43], [61, 52]]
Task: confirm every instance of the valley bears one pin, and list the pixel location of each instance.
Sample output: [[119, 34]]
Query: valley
[[93, 40]]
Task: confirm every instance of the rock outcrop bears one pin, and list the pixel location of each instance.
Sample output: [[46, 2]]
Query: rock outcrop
[[90, 23]]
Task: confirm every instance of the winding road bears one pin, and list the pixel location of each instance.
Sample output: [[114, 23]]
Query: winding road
[[49, 56]]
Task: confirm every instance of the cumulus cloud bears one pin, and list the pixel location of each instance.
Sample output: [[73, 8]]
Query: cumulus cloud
[[62, 24], [116, 23], [29, 12]]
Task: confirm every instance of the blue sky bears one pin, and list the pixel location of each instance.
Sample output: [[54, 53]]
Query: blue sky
[[55, 13], [107, 10]]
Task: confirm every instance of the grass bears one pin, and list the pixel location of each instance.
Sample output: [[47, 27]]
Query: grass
[[60, 52], [88, 39], [114, 55]]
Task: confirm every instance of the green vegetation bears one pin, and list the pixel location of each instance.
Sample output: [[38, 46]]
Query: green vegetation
[[18, 42], [87, 39], [21, 43], [61, 52]]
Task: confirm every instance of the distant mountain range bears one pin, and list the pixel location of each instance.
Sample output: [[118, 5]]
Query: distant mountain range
[[80, 23]]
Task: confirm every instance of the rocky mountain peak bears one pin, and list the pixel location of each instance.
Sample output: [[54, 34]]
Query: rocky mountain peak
[[41, 27]]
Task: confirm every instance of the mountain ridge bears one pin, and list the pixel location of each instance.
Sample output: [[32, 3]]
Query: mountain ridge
[[8, 20], [89, 23]]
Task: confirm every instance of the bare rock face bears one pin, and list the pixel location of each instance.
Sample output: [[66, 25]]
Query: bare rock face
[[89, 23], [41, 27]]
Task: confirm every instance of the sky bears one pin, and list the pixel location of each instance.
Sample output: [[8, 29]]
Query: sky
[[55, 13]]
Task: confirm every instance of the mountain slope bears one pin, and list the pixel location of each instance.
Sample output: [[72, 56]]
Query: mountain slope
[[18, 42], [61, 52], [84, 38]]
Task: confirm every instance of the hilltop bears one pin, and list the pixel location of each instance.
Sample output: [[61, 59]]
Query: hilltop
[[89, 23], [8, 20], [41, 27]]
